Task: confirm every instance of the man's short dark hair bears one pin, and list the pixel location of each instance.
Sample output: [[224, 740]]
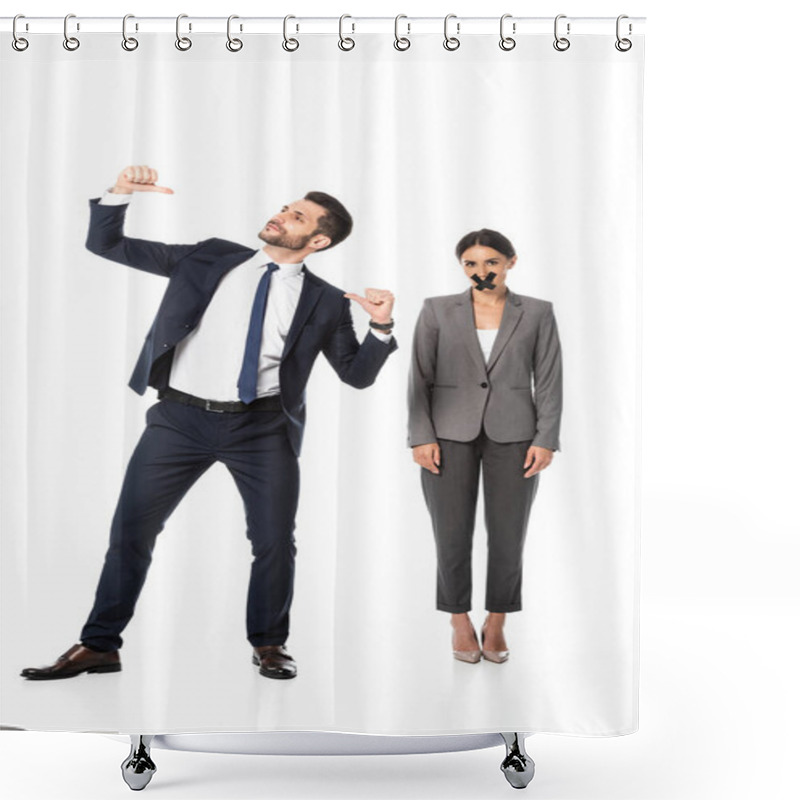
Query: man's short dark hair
[[336, 223]]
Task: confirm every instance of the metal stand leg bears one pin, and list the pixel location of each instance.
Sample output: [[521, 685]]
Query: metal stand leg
[[517, 766], [138, 768]]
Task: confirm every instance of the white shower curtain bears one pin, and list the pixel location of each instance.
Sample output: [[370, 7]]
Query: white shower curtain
[[421, 146]]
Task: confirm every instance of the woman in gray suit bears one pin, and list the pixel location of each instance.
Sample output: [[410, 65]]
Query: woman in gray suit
[[484, 394]]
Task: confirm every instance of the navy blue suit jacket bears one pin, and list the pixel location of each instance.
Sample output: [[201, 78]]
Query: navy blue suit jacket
[[322, 322]]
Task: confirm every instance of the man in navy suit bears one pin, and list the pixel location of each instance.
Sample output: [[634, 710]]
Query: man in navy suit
[[230, 352]]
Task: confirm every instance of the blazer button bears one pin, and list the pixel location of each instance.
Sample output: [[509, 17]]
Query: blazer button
[[165, 345], [484, 385]]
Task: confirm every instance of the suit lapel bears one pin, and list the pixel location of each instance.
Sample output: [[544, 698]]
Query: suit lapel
[[309, 297], [227, 263], [512, 313], [466, 328], [208, 279]]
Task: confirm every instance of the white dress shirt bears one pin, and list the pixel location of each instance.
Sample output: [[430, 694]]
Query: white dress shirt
[[208, 361], [486, 340]]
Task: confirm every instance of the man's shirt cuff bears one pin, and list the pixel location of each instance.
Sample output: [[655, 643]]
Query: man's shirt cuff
[[384, 337], [111, 199]]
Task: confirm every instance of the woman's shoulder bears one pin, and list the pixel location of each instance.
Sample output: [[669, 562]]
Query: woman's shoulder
[[445, 300], [533, 303], [437, 310]]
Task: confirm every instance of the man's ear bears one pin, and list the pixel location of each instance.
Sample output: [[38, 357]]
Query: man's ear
[[512, 262], [320, 242]]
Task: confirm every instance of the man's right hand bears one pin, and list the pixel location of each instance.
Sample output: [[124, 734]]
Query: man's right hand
[[428, 456], [138, 179]]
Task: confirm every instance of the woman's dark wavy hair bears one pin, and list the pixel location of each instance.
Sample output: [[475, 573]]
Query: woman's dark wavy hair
[[486, 238]]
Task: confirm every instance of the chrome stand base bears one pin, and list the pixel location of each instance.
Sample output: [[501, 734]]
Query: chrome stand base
[[138, 768], [517, 766]]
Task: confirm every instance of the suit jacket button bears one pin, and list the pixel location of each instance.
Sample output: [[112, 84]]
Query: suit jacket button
[[484, 385], [165, 345]]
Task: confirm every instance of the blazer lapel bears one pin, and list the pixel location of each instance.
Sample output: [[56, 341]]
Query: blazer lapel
[[512, 313], [309, 297], [208, 279], [227, 263], [466, 328]]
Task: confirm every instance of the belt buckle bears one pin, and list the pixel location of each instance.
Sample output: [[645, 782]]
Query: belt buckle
[[213, 410]]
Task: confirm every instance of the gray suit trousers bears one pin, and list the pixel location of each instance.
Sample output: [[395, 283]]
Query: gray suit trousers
[[452, 498]]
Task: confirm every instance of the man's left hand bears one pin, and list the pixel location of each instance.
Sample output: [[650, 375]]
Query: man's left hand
[[378, 303], [536, 459]]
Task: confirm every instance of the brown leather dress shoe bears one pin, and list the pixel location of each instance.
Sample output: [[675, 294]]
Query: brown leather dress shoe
[[274, 662], [76, 660]]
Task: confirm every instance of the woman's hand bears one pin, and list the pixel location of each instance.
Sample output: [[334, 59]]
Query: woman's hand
[[428, 456], [536, 459]]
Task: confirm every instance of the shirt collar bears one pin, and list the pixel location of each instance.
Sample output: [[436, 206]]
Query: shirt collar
[[261, 259], [289, 270]]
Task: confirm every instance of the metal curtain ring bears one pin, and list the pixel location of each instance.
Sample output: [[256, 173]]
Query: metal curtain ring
[[345, 42], [561, 43], [183, 43], [70, 42], [506, 42], [18, 42], [401, 42], [289, 44], [623, 45], [128, 42], [234, 45], [451, 42]]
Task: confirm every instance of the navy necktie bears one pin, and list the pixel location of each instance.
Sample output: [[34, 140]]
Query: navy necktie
[[248, 376]]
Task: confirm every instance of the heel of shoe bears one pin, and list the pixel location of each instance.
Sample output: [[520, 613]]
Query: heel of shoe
[[106, 668]]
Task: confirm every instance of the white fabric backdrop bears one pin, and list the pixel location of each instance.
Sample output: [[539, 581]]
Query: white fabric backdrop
[[421, 146]]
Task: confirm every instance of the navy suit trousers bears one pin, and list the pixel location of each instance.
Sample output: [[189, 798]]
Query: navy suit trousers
[[178, 445]]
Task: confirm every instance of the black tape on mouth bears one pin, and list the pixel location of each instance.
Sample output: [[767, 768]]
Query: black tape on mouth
[[484, 283]]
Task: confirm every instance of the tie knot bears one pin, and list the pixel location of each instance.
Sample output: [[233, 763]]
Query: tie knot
[[271, 267]]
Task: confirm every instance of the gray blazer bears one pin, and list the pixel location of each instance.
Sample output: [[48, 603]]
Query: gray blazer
[[453, 392]]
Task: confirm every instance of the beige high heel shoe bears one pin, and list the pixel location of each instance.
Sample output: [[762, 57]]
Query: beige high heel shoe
[[496, 656], [467, 656]]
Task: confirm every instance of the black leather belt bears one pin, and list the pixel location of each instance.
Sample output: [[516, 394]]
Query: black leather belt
[[271, 403]]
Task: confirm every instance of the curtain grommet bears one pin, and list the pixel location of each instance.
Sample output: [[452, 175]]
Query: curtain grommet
[[561, 43], [128, 43], [622, 44], [70, 43], [401, 43], [19, 43], [507, 42], [183, 43], [451, 43], [346, 43], [233, 44], [289, 43]]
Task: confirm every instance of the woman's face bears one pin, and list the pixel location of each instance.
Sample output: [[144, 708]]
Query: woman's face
[[480, 261]]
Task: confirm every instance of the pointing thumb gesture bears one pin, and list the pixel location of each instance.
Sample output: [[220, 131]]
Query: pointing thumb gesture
[[139, 179], [378, 303]]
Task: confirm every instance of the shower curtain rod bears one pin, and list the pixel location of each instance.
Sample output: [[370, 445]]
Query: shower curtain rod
[[324, 25]]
